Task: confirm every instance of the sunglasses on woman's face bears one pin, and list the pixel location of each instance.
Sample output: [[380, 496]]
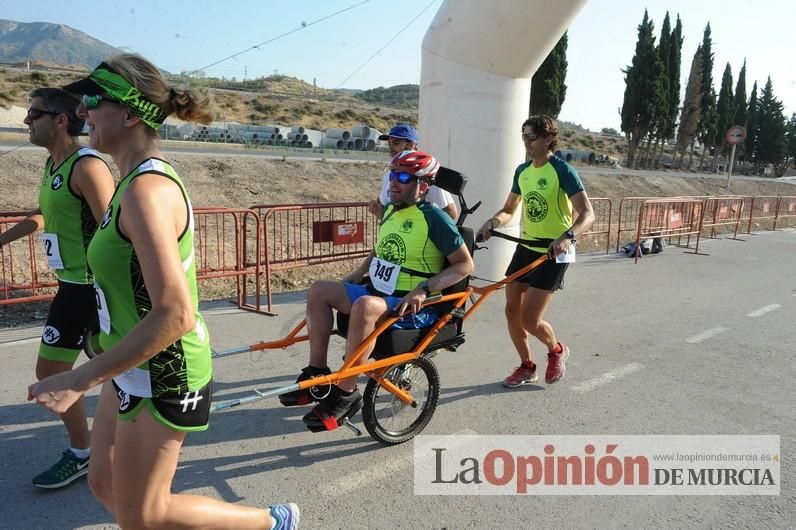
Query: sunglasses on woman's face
[[35, 114], [401, 176], [530, 137], [93, 102]]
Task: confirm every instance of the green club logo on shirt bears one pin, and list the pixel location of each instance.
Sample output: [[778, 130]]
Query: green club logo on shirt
[[392, 248], [541, 184], [58, 181], [407, 226], [535, 206]]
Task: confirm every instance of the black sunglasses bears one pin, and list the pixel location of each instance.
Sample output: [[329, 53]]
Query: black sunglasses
[[35, 114], [529, 137]]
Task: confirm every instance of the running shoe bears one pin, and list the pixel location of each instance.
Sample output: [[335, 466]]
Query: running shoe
[[556, 364], [286, 516], [520, 376], [68, 469]]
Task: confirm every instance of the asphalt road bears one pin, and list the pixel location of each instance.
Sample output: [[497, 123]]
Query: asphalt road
[[678, 344]]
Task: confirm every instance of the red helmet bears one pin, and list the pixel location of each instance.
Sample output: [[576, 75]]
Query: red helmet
[[417, 163]]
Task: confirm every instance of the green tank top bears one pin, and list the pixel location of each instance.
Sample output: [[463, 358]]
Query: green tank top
[[545, 191], [69, 223], [123, 301], [418, 238]]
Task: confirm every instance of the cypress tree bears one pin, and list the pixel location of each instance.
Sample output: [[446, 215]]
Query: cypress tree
[[771, 141], [692, 103], [724, 113], [750, 144], [739, 117], [675, 51], [707, 118], [641, 89], [548, 87], [790, 145], [658, 135]]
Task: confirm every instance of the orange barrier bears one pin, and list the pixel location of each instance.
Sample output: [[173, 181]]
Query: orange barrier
[[25, 276], [723, 211], [668, 218], [227, 242], [786, 208], [627, 217], [603, 210], [763, 208], [221, 249], [310, 234]]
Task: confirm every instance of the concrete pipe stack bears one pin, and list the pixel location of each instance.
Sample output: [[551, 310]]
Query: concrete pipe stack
[[313, 137], [577, 155]]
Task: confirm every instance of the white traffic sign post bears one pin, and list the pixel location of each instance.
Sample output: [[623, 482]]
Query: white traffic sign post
[[735, 135]]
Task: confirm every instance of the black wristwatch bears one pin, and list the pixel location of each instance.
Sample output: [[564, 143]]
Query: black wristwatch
[[570, 234], [424, 285]]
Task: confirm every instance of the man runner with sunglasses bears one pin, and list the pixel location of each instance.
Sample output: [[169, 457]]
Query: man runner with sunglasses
[[401, 138], [409, 264], [74, 194], [555, 210]]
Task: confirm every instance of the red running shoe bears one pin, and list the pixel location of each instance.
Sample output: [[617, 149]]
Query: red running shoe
[[556, 364], [521, 376]]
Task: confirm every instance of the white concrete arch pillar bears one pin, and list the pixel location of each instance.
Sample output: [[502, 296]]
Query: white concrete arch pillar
[[477, 61]]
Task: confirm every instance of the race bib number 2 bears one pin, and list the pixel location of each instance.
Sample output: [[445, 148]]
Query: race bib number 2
[[384, 275], [52, 251], [102, 310]]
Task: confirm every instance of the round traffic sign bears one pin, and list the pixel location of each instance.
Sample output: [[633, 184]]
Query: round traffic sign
[[736, 134]]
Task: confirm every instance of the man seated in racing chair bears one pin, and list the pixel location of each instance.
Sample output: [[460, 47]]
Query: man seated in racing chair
[[409, 264]]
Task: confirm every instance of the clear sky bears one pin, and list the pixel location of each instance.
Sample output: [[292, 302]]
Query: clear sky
[[181, 35]]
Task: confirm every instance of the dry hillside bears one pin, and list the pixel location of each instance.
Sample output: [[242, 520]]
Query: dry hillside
[[285, 101]]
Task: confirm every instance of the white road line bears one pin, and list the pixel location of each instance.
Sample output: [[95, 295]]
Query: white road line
[[607, 377], [763, 310], [378, 471], [705, 335]]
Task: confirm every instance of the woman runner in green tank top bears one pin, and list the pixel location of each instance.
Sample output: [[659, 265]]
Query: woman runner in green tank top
[[155, 371]]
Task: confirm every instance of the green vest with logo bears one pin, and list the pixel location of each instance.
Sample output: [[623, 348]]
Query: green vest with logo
[[418, 238], [69, 223], [123, 300], [545, 192]]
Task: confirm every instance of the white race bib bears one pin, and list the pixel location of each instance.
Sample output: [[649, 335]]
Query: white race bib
[[135, 381], [383, 275], [102, 310], [52, 251], [568, 256]]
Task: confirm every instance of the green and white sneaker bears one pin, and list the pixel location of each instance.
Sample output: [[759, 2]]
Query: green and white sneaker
[[68, 469]]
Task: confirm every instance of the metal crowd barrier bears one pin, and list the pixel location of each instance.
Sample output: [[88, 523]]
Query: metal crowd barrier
[[724, 210], [25, 276], [668, 218], [786, 208], [603, 211], [221, 248], [227, 242], [300, 235], [764, 208]]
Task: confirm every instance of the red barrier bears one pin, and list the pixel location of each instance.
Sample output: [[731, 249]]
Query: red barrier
[[722, 211], [25, 276], [668, 218], [221, 250], [763, 208], [786, 208], [227, 242], [311, 234], [603, 210], [627, 217]]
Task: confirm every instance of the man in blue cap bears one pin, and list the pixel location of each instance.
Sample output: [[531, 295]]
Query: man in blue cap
[[401, 138]]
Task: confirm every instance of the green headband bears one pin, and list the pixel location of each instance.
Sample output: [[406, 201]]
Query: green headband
[[120, 89]]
